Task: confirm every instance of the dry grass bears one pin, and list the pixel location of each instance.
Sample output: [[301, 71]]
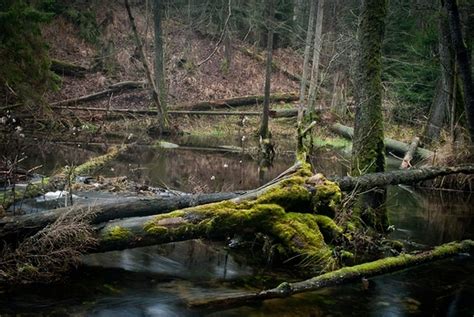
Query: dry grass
[[47, 255]]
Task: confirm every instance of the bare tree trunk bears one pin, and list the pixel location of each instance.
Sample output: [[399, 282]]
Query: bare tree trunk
[[443, 99], [316, 54], [464, 63], [147, 67], [160, 73], [307, 50], [264, 133]]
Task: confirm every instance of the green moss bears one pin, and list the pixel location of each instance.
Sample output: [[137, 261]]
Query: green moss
[[328, 227], [327, 197], [300, 234], [117, 233], [95, 163], [152, 228], [335, 142], [291, 194]]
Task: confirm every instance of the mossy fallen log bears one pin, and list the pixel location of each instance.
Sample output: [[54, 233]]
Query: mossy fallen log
[[276, 211], [391, 145], [340, 276], [19, 227], [64, 68]]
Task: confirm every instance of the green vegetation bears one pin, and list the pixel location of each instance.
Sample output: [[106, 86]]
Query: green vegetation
[[24, 60]]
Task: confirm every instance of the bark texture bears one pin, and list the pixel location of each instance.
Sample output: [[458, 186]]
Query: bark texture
[[464, 63]]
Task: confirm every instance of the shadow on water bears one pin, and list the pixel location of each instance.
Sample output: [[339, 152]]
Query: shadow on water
[[157, 281]]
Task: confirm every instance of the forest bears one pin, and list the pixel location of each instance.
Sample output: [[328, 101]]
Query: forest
[[236, 158]]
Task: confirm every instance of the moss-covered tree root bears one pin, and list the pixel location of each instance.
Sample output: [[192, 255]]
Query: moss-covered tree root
[[343, 275]]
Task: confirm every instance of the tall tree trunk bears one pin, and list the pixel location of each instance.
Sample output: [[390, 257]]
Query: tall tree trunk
[[264, 134], [146, 66], [368, 153], [307, 51], [316, 54], [160, 74], [444, 90], [464, 63]]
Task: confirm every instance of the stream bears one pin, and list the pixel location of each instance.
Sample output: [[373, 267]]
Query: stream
[[160, 280]]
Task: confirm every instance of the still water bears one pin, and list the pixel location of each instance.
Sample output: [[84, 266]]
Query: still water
[[161, 280]]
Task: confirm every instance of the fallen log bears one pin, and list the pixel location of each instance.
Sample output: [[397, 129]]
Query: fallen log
[[238, 101], [408, 177], [16, 228], [406, 163], [64, 68], [28, 224], [343, 275], [395, 146], [126, 85], [276, 113]]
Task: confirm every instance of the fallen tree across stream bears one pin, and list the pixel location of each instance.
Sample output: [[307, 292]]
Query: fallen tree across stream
[[395, 146], [21, 226], [343, 275]]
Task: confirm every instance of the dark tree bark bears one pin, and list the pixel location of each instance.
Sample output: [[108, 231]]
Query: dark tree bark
[[443, 99], [264, 133], [307, 51], [464, 63], [160, 74], [368, 151]]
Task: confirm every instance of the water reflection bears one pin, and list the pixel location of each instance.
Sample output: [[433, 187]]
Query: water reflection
[[431, 217], [193, 259]]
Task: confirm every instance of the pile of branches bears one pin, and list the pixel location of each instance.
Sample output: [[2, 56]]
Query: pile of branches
[[51, 252]]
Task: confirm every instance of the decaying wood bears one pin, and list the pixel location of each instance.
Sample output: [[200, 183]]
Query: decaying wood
[[406, 163], [411, 176], [238, 101], [64, 68], [27, 224], [18, 227], [344, 275], [276, 113], [122, 86], [391, 145]]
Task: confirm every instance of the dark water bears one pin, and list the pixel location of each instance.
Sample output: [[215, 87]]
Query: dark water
[[159, 281]]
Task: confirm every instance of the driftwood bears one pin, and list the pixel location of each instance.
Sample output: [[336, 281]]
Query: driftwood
[[395, 146], [126, 85], [67, 69], [406, 163], [344, 275], [15, 228]]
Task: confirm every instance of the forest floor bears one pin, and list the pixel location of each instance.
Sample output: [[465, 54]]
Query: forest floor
[[185, 49]]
